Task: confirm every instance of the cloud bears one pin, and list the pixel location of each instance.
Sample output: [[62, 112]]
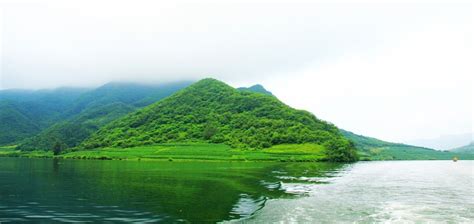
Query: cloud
[[418, 84], [389, 69], [53, 43]]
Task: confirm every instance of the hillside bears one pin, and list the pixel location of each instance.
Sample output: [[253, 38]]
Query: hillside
[[25, 113], [14, 124], [375, 149], [71, 132], [211, 111], [97, 108], [468, 149], [257, 89], [133, 94]]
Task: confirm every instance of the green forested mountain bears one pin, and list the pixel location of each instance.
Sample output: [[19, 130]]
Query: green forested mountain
[[257, 89], [25, 113], [73, 131], [14, 124], [56, 98], [133, 94], [207, 111], [97, 108], [469, 149], [211, 111], [375, 149]]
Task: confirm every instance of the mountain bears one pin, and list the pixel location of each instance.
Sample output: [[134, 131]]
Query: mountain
[[97, 108], [211, 111], [445, 142], [469, 149], [257, 89], [375, 149], [14, 124], [134, 94], [73, 131], [25, 113]]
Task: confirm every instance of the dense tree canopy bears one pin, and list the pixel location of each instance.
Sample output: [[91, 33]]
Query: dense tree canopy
[[96, 108], [71, 132], [25, 113], [212, 111]]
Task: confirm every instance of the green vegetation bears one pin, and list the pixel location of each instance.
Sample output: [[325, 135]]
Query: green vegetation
[[131, 94], [14, 124], [212, 112], [250, 123], [256, 89], [375, 149], [187, 151], [70, 133], [25, 113], [95, 109], [11, 151]]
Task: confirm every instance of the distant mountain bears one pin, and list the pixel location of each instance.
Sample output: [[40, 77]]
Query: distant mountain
[[14, 124], [71, 132], [375, 149], [211, 111], [465, 149], [444, 142], [134, 94], [58, 97], [97, 108], [257, 89], [25, 113], [207, 111]]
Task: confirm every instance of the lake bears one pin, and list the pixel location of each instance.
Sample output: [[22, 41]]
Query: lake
[[46, 190]]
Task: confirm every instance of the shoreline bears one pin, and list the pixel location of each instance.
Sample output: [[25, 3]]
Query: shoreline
[[211, 152]]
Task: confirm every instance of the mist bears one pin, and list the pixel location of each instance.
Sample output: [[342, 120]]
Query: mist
[[395, 71]]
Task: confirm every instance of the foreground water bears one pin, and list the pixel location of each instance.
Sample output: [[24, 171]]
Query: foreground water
[[46, 190]]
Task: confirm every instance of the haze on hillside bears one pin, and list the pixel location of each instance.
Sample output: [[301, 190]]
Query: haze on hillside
[[444, 142], [395, 71]]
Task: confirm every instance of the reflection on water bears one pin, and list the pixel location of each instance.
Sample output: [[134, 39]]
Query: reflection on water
[[78, 190], [44, 190]]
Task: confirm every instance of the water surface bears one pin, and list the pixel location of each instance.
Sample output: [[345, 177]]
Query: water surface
[[81, 190], [391, 191]]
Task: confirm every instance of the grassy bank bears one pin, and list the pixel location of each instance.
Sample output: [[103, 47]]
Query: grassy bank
[[410, 153], [10, 151], [220, 152], [188, 151]]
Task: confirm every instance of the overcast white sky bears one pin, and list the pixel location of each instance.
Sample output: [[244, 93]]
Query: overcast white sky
[[395, 70]]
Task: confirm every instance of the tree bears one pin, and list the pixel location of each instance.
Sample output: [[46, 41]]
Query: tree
[[57, 148], [340, 150], [209, 131]]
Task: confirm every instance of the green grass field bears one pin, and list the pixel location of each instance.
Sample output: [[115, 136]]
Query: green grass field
[[10, 151], [409, 153], [189, 151], [220, 152]]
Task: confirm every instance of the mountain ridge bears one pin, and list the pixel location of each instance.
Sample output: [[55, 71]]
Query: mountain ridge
[[374, 149], [464, 149], [257, 88], [97, 108], [212, 111]]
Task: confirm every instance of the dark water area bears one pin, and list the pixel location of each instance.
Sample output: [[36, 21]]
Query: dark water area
[[48, 190], [86, 190]]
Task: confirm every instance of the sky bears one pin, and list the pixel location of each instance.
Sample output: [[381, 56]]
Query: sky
[[394, 70]]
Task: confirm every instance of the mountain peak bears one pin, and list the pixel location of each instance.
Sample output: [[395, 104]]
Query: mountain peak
[[208, 86], [257, 88], [210, 81], [214, 112]]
